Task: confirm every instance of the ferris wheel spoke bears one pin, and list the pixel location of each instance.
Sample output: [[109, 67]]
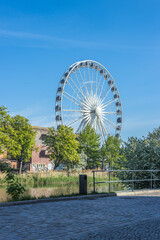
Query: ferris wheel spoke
[[83, 82], [79, 85], [87, 119], [110, 112], [67, 95], [105, 128], [92, 77], [76, 120], [104, 134], [96, 126], [80, 126], [108, 103], [101, 89], [101, 131], [76, 87], [99, 83], [74, 90], [109, 122], [72, 110], [87, 122], [90, 80], [106, 95], [84, 72], [96, 82], [85, 106]]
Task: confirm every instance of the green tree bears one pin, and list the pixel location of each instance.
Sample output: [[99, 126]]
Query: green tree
[[110, 152], [62, 146], [7, 133], [155, 135], [24, 139], [90, 144], [82, 162], [141, 154], [13, 187]]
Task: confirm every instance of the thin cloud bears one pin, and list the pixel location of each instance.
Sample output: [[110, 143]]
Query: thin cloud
[[52, 40], [35, 116], [42, 121], [27, 112], [132, 124], [46, 38]]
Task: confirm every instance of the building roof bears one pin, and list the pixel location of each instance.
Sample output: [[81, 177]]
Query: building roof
[[40, 128]]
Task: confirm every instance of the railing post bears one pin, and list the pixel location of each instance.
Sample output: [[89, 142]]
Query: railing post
[[151, 179], [132, 181], [109, 181], [93, 182]]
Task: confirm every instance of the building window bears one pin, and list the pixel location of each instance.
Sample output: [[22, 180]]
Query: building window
[[43, 137], [42, 153]]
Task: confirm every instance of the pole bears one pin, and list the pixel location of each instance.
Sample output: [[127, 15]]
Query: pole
[[109, 181], [132, 181], [94, 182], [151, 179]]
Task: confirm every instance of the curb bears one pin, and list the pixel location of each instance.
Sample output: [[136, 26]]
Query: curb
[[84, 197], [137, 192], [58, 199]]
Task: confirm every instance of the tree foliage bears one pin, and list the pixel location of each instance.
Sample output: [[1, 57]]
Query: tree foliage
[[82, 162], [142, 154], [24, 139], [62, 146], [90, 144], [16, 137], [155, 135], [7, 134], [110, 152], [14, 188]]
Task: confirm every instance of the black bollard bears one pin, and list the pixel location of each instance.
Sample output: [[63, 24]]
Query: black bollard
[[83, 184]]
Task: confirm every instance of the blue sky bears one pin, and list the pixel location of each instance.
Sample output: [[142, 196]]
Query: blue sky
[[39, 40]]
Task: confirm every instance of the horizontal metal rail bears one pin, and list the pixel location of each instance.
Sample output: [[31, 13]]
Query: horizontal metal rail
[[126, 171], [151, 179], [140, 180]]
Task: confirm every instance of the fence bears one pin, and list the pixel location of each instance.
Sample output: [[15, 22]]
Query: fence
[[151, 179]]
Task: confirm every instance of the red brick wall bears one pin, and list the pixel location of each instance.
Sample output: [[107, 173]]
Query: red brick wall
[[39, 158]]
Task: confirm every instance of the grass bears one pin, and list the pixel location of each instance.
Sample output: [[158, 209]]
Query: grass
[[57, 179], [28, 197], [54, 178], [61, 184]]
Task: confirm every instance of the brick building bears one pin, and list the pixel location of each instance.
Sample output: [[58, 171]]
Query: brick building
[[40, 160], [12, 163]]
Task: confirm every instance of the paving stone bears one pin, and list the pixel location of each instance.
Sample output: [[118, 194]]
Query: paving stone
[[130, 217]]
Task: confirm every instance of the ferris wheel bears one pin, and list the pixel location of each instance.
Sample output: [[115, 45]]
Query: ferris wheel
[[88, 94]]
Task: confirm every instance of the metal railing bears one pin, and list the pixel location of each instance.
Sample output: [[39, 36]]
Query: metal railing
[[133, 180]]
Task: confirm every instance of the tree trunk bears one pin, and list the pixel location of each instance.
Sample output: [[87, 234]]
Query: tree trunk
[[21, 162], [102, 165], [20, 167], [67, 170], [56, 164], [109, 164]]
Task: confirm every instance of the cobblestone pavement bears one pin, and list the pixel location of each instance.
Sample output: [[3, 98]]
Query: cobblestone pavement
[[125, 217]]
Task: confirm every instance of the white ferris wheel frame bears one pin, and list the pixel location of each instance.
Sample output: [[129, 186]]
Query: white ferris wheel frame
[[59, 95]]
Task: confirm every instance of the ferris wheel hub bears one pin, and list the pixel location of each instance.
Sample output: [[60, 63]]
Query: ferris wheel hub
[[98, 111]]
